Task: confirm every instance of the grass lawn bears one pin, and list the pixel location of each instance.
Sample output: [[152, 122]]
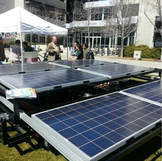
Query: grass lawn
[[148, 152]]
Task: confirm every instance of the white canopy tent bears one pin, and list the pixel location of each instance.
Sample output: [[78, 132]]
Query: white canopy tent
[[22, 21]]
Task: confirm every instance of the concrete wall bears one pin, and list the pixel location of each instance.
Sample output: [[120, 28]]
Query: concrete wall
[[146, 22], [6, 5], [19, 3]]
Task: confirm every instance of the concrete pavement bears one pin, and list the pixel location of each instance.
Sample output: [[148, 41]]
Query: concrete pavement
[[150, 64]]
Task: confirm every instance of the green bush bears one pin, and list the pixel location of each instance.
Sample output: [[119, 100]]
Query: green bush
[[7, 44], [155, 53], [146, 51]]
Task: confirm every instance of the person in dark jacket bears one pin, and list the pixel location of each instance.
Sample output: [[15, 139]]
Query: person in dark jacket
[[2, 52], [78, 52], [26, 47]]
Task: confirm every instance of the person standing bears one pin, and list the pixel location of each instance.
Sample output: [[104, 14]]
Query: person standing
[[15, 52], [85, 51], [53, 49], [78, 53], [2, 52], [26, 47]]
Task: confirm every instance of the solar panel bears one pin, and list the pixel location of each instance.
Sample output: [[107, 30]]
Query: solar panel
[[78, 63], [92, 129], [115, 70], [151, 91], [46, 80], [16, 68]]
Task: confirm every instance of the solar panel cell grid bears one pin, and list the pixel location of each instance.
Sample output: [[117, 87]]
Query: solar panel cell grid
[[151, 91], [79, 63], [48, 78], [95, 125], [116, 70], [16, 68]]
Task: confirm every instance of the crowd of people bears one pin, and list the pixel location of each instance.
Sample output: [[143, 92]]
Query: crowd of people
[[53, 49], [81, 51]]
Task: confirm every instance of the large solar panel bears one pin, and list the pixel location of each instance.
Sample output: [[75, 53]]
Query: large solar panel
[[46, 80], [115, 70], [33, 67], [92, 129], [151, 91], [78, 63]]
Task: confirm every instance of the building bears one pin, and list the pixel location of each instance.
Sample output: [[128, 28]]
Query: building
[[53, 11], [91, 20]]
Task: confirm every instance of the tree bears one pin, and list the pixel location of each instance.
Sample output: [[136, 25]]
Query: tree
[[123, 20]]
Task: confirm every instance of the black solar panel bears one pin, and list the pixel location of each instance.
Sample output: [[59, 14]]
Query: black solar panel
[[78, 63], [115, 70], [151, 91], [48, 79], [93, 128], [16, 68]]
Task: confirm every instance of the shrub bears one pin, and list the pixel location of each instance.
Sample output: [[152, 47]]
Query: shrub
[[146, 51], [155, 53], [7, 44]]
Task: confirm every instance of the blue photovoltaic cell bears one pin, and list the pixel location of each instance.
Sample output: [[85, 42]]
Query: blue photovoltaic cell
[[115, 70], [7, 69], [48, 78], [83, 63], [95, 125], [151, 91]]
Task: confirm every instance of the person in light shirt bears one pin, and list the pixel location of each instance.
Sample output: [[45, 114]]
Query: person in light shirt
[[54, 50], [15, 52]]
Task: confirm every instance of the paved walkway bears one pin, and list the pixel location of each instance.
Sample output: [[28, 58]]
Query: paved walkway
[[150, 64]]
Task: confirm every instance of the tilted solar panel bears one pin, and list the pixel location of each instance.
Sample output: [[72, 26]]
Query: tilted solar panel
[[46, 80], [91, 129], [115, 70], [7, 69], [151, 91], [78, 63]]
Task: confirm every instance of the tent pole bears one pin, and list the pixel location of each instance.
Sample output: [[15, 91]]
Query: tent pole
[[21, 46], [67, 45], [22, 55]]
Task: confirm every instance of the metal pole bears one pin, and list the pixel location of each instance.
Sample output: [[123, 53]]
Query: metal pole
[[21, 46], [88, 27], [67, 46]]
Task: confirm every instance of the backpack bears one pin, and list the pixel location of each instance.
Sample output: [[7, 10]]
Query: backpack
[[90, 55]]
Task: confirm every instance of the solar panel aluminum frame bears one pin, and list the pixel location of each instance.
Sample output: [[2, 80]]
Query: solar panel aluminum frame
[[7, 103], [84, 63], [69, 150], [140, 97], [61, 65], [32, 70], [149, 70], [42, 89], [66, 148]]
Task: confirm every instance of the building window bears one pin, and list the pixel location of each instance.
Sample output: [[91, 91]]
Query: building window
[[96, 14], [108, 12]]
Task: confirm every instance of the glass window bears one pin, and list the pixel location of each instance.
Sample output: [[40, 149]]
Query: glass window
[[108, 12], [96, 14]]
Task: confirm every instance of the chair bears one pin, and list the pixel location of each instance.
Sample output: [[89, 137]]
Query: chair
[[30, 57]]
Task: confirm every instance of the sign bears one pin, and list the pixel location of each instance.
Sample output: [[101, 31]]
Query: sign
[[137, 54], [21, 93]]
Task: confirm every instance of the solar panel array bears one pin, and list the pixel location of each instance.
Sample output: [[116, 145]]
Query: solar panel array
[[7, 69], [151, 91], [45, 76], [96, 125], [48, 79], [115, 70], [79, 63]]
